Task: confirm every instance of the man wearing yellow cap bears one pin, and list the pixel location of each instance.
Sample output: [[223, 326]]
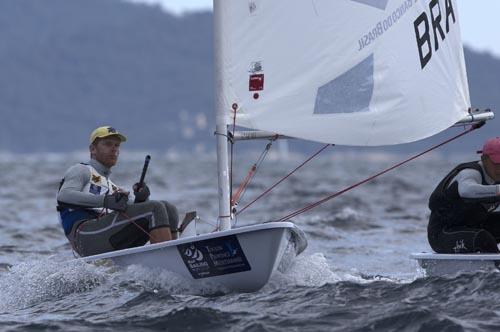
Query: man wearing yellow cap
[[465, 216], [95, 213]]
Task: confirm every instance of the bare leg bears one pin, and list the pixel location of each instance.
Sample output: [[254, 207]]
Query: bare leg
[[160, 235]]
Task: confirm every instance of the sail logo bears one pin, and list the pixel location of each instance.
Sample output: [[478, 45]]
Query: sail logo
[[255, 67], [194, 253], [256, 82], [431, 23], [384, 25]]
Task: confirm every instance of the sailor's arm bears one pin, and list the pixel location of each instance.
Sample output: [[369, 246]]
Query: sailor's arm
[[75, 179], [470, 187]]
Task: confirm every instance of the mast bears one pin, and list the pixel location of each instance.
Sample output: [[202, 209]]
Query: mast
[[221, 123]]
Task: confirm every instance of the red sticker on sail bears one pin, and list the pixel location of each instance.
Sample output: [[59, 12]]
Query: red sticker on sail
[[256, 82]]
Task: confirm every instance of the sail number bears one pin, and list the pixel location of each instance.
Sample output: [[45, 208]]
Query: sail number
[[423, 29]]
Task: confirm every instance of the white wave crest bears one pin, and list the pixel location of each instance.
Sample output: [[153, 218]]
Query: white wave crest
[[314, 271], [35, 281]]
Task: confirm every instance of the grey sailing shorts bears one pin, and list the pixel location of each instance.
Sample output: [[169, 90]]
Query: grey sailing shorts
[[115, 231]]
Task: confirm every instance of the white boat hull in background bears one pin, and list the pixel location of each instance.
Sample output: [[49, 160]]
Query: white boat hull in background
[[240, 259], [449, 264]]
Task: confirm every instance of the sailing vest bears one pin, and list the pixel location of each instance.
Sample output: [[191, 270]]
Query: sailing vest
[[449, 208], [69, 214]]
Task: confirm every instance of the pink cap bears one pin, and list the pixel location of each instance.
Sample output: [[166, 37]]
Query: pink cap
[[491, 148]]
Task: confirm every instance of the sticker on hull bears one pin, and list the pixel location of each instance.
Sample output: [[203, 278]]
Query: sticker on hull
[[214, 257]]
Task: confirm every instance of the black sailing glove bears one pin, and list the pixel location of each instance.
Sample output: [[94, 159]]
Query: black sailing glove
[[117, 201], [141, 193]]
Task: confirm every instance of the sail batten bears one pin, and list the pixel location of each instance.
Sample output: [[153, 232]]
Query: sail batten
[[344, 72]]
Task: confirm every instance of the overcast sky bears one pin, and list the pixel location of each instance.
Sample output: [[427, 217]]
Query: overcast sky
[[480, 23]]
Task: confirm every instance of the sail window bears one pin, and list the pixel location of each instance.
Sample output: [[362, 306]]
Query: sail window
[[349, 93], [380, 4]]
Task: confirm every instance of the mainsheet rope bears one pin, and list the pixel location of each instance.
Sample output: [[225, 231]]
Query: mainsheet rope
[[313, 205]]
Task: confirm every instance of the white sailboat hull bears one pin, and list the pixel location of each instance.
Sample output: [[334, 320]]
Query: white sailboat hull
[[449, 264], [240, 259]]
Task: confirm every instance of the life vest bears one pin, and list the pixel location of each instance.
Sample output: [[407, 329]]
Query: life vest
[[69, 214], [449, 208]]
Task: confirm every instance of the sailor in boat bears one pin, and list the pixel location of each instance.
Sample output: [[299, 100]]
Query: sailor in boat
[[96, 214], [464, 215]]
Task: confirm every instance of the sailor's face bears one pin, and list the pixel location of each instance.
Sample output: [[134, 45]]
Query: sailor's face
[[106, 150], [493, 169]]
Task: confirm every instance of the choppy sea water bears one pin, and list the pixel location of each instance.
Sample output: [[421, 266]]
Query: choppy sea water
[[355, 275]]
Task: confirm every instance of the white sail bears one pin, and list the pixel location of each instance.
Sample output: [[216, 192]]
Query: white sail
[[351, 72]]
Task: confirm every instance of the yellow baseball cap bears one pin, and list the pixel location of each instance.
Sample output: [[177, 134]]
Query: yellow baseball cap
[[105, 131]]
